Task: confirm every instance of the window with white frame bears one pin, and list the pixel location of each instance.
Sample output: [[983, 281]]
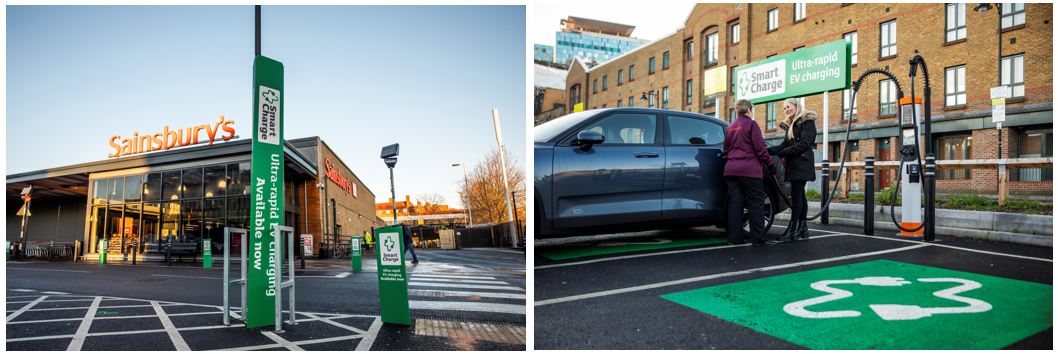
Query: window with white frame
[[887, 44], [955, 86], [886, 98], [1012, 75], [852, 37], [665, 98], [690, 90], [799, 11], [770, 122], [955, 22], [1012, 15], [734, 33], [604, 85], [711, 49], [773, 19], [846, 105]]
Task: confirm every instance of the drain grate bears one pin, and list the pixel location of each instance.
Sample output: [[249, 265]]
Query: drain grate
[[465, 332]]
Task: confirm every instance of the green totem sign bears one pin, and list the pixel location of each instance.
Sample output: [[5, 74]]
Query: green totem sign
[[102, 251], [392, 276], [266, 180], [207, 253], [809, 71], [354, 254]]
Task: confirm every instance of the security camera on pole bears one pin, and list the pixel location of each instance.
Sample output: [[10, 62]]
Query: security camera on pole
[[503, 165]]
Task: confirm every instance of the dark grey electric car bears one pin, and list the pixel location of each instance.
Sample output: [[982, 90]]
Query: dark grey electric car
[[626, 169]]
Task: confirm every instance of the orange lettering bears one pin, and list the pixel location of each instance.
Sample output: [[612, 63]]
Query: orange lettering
[[231, 131], [212, 130], [126, 146], [157, 140], [174, 133], [181, 138], [145, 143], [198, 128], [117, 148]]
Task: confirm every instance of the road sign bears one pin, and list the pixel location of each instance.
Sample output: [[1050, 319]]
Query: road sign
[[882, 305], [306, 242], [23, 210], [825, 67], [392, 276], [999, 92], [267, 190], [999, 113]]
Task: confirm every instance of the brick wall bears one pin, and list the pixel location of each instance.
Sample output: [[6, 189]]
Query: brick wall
[[363, 203]]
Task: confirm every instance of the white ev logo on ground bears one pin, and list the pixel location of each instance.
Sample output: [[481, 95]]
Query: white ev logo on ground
[[889, 312]]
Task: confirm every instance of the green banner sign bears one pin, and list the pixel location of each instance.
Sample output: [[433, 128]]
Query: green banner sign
[[392, 276], [266, 198], [207, 253], [805, 72], [354, 254]]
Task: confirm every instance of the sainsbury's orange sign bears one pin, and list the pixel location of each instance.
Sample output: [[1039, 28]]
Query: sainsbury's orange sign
[[334, 175], [168, 139]]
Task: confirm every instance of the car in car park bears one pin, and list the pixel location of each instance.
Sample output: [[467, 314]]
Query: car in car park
[[629, 169]]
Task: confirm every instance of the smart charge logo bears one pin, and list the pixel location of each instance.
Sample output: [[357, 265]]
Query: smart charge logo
[[762, 80]]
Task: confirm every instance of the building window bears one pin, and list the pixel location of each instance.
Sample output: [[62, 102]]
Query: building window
[[799, 48], [1012, 15], [955, 24], [631, 102], [733, 115], [665, 60], [733, 79], [955, 86], [799, 11], [652, 95], [604, 81], [886, 98], [665, 98], [1012, 75], [773, 19], [846, 104], [620, 77], [595, 86], [954, 148], [604, 105], [631, 73], [574, 96], [650, 69], [734, 33], [852, 37], [711, 49], [690, 90], [888, 42], [1036, 143], [690, 49], [619, 102], [769, 124]]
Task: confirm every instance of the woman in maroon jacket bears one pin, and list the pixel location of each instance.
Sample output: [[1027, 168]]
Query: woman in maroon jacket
[[747, 156]]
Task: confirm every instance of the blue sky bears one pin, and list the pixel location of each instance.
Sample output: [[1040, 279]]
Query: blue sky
[[359, 77]]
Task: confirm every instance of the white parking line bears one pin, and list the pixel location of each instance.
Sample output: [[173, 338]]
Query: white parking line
[[468, 286], [467, 306], [82, 331], [181, 276], [953, 247], [715, 276], [461, 280], [747, 244], [450, 276], [25, 308], [49, 270], [174, 335], [417, 292], [283, 342], [369, 338]]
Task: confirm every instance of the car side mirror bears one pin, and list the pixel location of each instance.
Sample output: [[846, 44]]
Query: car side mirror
[[587, 138]]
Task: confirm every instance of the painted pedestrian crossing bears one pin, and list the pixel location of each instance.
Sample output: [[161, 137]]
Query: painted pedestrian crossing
[[460, 292]]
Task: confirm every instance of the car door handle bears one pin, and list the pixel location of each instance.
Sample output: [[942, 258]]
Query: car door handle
[[646, 154]]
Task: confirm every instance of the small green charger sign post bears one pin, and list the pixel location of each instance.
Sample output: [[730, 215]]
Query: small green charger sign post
[[207, 253], [392, 276], [102, 251], [354, 254]]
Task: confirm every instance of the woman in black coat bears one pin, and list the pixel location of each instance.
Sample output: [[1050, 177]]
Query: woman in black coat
[[796, 151]]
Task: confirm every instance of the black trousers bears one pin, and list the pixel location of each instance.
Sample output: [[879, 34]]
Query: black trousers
[[740, 191], [799, 209]]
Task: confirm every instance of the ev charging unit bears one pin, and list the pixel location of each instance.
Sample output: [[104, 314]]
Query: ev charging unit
[[911, 174]]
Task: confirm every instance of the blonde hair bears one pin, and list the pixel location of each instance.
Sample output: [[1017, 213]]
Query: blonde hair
[[742, 106], [798, 114]]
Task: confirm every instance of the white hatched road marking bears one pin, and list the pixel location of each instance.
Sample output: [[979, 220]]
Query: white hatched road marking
[[181, 276], [460, 280], [416, 292], [468, 286], [25, 308], [21, 302], [48, 270], [283, 342], [22, 290], [467, 306], [449, 276], [54, 293], [82, 331], [372, 333]]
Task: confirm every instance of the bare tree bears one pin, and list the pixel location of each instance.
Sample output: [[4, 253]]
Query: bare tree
[[429, 204], [486, 197]]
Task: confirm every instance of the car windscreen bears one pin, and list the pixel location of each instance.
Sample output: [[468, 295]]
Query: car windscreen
[[552, 128]]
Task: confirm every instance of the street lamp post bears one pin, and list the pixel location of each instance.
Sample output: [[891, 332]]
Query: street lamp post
[[651, 100], [466, 189], [389, 155], [982, 9]]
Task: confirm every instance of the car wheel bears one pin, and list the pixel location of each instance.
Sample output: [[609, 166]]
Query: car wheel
[[769, 216]]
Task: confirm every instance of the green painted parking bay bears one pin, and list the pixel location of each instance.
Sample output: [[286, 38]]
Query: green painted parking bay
[[656, 241], [882, 305]]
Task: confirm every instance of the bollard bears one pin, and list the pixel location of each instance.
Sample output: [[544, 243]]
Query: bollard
[[134, 249], [76, 250], [931, 198], [51, 249], [826, 193], [868, 197], [169, 251]]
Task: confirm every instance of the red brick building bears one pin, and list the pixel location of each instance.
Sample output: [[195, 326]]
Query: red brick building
[[959, 45]]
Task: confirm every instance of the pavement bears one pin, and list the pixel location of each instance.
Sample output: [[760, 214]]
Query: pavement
[[839, 289], [459, 300]]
